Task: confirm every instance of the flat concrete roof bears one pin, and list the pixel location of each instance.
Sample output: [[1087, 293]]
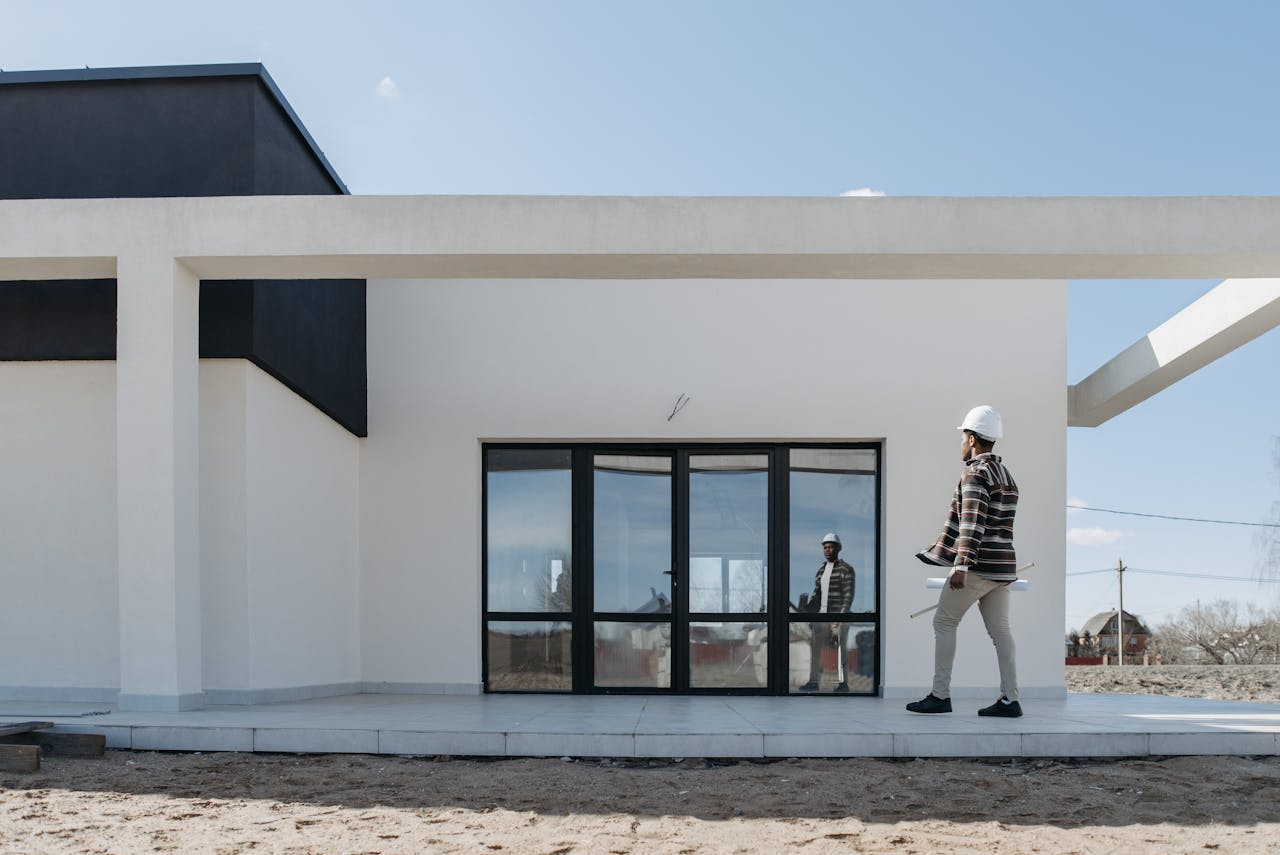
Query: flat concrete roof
[[649, 237], [581, 237]]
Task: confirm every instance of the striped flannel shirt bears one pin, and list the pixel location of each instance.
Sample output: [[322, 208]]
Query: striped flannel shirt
[[839, 590], [978, 535]]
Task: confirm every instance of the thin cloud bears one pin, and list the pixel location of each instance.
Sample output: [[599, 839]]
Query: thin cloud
[[387, 88], [1093, 536], [1075, 505], [863, 191]]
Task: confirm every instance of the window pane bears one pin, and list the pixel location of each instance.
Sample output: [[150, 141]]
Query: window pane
[[728, 533], [832, 490], [837, 460], [534, 655], [632, 538], [728, 655], [529, 530], [633, 655], [815, 663]]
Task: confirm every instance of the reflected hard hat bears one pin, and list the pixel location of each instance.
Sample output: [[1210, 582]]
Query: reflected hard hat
[[831, 537], [985, 422]]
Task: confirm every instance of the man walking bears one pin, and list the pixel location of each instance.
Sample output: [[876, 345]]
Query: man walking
[[977, 544], [832, 594]]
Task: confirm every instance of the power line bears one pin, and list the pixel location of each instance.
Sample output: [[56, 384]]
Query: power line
[[1187, 574], [1193, 575], [1170, 517]]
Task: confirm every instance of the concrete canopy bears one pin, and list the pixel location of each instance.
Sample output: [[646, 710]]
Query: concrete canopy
[[741, 237], [1233, 313], [650, 237]]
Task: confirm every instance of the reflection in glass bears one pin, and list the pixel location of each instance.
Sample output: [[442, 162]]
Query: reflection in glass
[[814, 660], [633, 655], [532, 655], [529, 530], [728, 533], [728, 655], [833, 490], [632, 533]]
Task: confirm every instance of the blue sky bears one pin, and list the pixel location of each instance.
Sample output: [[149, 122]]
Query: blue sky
[[736, 98]]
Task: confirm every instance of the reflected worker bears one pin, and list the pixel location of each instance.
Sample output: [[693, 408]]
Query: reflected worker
[[977, 544], [832, 594]]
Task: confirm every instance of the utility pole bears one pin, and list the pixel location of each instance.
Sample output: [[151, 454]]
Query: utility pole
[[1120, 613]]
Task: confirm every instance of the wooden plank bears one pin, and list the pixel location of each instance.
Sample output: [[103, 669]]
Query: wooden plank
[[19, 758], [59, 744], [23, 727]]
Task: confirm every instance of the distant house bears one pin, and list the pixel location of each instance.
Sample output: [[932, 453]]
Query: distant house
[[1102, 626]]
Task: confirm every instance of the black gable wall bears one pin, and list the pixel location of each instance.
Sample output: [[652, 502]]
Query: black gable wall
[[278, 168], [73, 319], [203, 131], [127, 138]]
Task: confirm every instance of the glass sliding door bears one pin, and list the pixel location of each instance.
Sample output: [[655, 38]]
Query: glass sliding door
[[529, 569], [727, 608], [682, 568], [632, 570], [832, 638]]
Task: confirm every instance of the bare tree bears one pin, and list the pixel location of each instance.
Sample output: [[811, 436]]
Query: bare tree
[[1268, 539], [1073, 639], [1269, 632], [1088, 644], [1221, 633], [1166, 648], [1198, 628]]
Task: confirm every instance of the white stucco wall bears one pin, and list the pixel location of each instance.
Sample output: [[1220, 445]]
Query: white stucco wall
[[303, 540], [453, 363], [279, 535], [224, 512], [58, 531], [332, 561], [279, 540]]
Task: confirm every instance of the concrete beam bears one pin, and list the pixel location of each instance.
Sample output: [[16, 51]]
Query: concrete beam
[[656, 237], [1235, 312]]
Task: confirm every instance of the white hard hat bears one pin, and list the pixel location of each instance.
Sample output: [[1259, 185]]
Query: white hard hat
[[831, 537], [985, 422]]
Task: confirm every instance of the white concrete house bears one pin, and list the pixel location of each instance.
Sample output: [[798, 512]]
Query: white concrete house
[[604, 437]]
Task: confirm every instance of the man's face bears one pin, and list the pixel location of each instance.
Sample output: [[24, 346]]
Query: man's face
[[830, 550], [966, 446]]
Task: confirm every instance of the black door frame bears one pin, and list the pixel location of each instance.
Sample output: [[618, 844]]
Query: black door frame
[[779, 616]]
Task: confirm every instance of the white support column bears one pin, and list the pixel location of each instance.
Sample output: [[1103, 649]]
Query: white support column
[[157, 471]]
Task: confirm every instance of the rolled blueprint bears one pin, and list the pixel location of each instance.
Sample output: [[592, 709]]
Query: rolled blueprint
[[941, 582]]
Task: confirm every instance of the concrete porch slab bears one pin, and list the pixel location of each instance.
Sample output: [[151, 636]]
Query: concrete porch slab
[[657, 726]]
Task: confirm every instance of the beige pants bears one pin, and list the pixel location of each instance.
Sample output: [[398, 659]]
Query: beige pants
[[819, 641], [993, 603]]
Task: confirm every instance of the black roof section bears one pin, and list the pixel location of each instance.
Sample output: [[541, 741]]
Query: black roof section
[[226, 69]]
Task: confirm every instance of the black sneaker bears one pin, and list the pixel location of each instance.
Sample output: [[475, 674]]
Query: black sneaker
[[810, 686], [930, 703], [1003, 708], [842, 689]]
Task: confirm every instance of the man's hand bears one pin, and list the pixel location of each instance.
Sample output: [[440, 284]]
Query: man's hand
[[956, 579]]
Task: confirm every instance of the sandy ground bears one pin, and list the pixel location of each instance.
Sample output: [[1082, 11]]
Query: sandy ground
[[1224, 682], [154, 802], [143, 802]]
